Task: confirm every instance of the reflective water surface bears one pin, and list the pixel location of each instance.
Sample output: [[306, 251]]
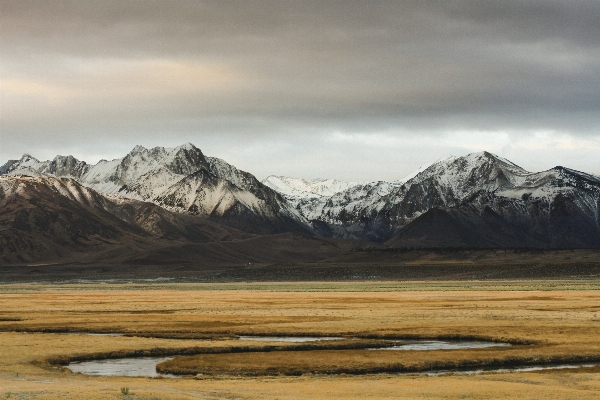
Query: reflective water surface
[[289, 339], [531, 368], [440, 345], [142, 366], [146, 366], [88, 334]]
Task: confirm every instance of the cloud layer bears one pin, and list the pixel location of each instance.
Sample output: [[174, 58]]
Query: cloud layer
[[355, 90]]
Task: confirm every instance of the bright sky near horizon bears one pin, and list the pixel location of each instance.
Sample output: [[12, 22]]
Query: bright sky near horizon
[[353, 90]]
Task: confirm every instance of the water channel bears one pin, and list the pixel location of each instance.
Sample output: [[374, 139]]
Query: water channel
[[289, 339], [146, 366], [140, 366], [439, 345]]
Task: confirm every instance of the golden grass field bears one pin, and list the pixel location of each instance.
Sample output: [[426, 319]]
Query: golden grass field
[[562, 318]]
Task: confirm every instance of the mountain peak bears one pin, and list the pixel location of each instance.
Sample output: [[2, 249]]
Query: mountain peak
[[186, 146], [495, 157], [478, 159], [68, 158], [481, 155], [26, 157], [137, 149]]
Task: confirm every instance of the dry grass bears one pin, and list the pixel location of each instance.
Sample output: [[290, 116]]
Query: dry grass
[[361, 362], [564, 323]]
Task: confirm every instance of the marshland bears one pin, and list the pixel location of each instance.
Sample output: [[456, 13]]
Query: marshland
[[204, 333]]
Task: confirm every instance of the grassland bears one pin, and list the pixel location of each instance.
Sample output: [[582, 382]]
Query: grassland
[[562, 318]]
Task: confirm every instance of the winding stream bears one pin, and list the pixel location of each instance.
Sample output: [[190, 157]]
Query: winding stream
[[146, 366]]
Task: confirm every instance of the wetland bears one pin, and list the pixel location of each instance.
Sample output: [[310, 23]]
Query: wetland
[[553, 327]]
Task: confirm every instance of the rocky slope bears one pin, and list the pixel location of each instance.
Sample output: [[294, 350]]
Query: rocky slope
[[180, 179]]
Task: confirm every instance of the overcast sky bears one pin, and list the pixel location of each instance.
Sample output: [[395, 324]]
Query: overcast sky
[[354, 90]]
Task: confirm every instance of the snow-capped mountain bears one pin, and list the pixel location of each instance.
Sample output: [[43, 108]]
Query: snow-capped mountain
[[68, 167], [376, 211], [298, 189], [481, 199], [295, 190], [179, 179], [47, 221]]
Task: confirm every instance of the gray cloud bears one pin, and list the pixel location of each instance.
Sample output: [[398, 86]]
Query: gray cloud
[[92, 77]]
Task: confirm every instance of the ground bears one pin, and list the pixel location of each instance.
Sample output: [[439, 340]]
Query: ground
[[560, 318]]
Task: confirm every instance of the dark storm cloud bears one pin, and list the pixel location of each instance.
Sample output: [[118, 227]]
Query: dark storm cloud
[[74, 69]]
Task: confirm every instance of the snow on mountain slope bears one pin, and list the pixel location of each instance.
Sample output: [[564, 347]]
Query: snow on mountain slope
[[204, 194], [223, 170], [181, 179], [47, 218], [68, 167], [460, 176], [421, 169], [145, 173], [377, 210], [297, 189], [561, 209]]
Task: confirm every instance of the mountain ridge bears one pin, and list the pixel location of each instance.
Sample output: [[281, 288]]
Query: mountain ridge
[[378, 210], [236, 197], [467, 192]]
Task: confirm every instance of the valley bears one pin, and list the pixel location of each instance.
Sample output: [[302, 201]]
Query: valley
[[153, 275], [299, 200]]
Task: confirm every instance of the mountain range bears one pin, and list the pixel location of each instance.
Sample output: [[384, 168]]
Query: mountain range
[[478, 200], [169, 198], [180, 179]]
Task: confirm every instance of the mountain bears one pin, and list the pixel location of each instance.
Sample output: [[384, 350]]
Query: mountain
[[48, 220], [477, 200], [460, 193], [298, 189], [553, 209], [179, 179]]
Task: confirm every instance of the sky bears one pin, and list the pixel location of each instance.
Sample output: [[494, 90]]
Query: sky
[[353, 90]]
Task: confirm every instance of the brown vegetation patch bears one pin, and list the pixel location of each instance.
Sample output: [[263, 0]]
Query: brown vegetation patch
[[359, 362], [161, 352]]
